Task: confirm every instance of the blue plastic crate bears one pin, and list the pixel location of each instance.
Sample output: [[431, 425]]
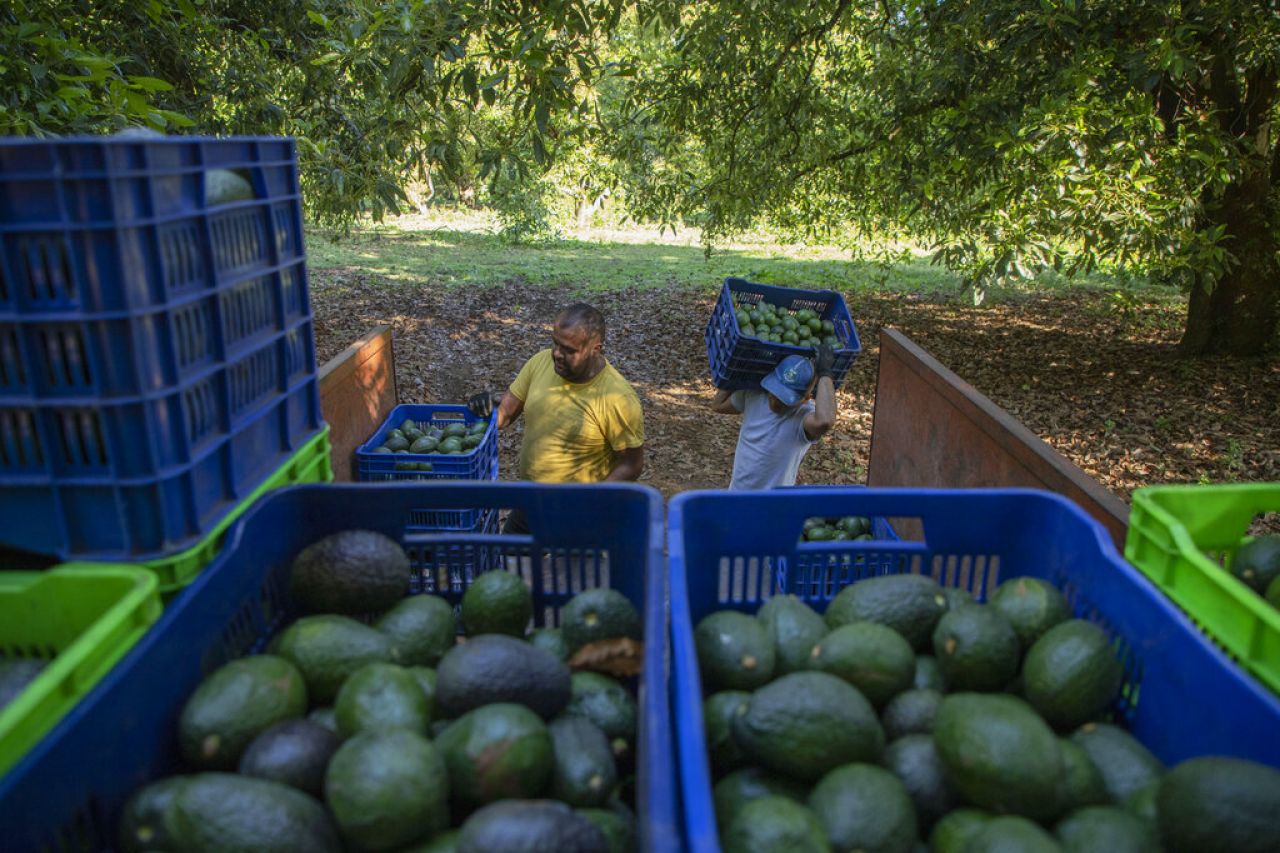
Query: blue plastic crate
[[480, 464], [67, 792], [156, 348], [139, 478], [96, 226], [738, 362], [1181, 696]]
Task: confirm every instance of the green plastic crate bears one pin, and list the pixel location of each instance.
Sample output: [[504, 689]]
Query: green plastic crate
[[81, 618], [311, 464], [1181, 537]]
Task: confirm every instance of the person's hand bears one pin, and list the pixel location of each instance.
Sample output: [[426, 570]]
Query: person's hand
[[824, 361], [483, 404]]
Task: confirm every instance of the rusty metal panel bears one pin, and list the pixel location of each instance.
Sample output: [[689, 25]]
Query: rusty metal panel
[[357, 392], [933, 429]]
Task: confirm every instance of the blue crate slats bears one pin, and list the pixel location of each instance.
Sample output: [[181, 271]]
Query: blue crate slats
[[738, 362], [1181, 697], [156, 340], [68, 791]]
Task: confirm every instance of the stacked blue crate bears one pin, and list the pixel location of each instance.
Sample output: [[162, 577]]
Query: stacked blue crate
[[157, 361]]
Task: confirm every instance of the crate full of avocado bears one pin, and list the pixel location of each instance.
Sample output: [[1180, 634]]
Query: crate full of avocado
[[1024, 702], [476, 716], [1214, 551], [755, 326], [433, 442]]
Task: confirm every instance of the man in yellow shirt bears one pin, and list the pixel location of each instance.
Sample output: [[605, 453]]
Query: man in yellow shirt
[[582, 420]]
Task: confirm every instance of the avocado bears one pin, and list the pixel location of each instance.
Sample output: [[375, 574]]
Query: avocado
[[872, 657], [326, 649], [293, 753], [909, 604], [1257, 562], [864, 807], [422, 628], [1125, 765], [497, 668], [795, 627], [234, 704], [1071, 674], [584, 773], [426, 678], [976, 648], [598, 614], [914, 760], [999, 754], [1032, 607], [381, 696], [455, 429], [352, 572], [750, 783], [719, 710], [1105, 828], [952, 833], [910, 712], [530, 826], [928, 674], [618, 828], [735, 652], [1011, 834], [807, 723], [1215, 803], [957, 597], [772, 823], [497, 602], [227, 811], [388, 787], [1081, 783], [605, 702], [497, 751], [445, 842], [325, 717], [143, 823], [16, 675], [1273, 593], [1142, 802], [550, 640]]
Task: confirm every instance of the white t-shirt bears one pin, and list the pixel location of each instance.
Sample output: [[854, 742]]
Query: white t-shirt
[[770, 446]]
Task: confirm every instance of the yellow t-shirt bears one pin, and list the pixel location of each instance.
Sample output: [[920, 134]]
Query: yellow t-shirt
[[573, 431]]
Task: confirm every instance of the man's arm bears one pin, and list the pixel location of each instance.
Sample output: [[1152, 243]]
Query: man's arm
[[823, 417], [627, 465], [722, 403], [509, 409]]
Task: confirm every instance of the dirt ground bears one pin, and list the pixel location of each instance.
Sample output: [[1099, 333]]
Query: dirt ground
[[1097, 379]]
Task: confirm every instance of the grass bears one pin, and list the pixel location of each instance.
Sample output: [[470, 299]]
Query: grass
[[462, 248], [454, 247]]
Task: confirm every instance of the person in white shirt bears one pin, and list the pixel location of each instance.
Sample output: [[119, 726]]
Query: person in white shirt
[[780, 422]]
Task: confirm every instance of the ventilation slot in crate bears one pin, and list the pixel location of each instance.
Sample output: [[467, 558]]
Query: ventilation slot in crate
[[238, 240], [181, 264], [247, 309], [19, 441]]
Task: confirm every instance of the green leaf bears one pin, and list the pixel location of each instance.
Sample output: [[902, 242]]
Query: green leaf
[[150, 84]]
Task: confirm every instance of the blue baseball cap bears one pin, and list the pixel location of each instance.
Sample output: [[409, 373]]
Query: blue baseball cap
[[790, 380]]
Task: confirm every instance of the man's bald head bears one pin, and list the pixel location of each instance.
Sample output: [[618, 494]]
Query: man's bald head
[[583, 316]]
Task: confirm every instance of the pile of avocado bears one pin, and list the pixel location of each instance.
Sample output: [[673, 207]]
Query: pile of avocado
[[911, 717], [1256, 563], [439, 438], [841, 529], [370, 724], [766, 321]]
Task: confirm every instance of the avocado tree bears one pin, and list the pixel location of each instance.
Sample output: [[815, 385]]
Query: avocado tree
[[1012, 136], [372, 89]]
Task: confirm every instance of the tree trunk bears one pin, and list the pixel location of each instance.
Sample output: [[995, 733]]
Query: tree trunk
[[1239, 314]]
